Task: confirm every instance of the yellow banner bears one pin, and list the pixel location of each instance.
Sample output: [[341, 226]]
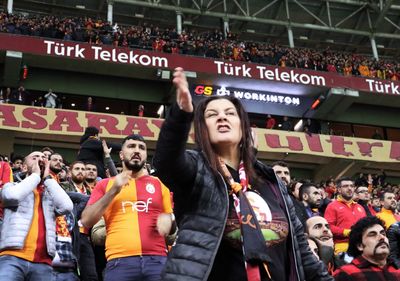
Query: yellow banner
[[71, 122]]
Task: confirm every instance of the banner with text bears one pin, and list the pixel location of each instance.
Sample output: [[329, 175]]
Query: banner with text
[[256, 101], [37, 120], [85, 51]]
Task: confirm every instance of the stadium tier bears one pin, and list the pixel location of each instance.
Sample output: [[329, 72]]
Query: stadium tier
[[328, 123]]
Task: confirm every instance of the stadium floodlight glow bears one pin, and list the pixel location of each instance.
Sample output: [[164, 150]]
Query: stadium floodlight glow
[[298, 125], [250, 30], [303, 38], [139, 15], [380, 46], [160, 110], [107, 108], [72, 104], [188, 22], [80, 7]]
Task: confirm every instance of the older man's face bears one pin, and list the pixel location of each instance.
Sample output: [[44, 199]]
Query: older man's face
[[375, 244]]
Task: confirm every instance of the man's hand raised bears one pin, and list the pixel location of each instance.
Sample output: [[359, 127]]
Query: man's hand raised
[[120, 181]]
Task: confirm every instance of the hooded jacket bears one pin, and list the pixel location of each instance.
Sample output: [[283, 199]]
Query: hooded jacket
[[393, 235], [18, 201]]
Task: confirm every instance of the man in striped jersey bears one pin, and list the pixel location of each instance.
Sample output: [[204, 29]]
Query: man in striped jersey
[[137, 211]]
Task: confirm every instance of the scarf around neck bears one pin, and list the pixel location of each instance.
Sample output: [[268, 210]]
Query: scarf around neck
[[254, 248]]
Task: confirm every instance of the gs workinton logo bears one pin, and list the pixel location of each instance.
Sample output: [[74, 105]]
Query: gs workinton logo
[[203, 90], [242, 94]]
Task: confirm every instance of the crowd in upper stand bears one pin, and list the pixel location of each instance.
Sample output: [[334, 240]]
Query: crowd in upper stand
[[210, 44]]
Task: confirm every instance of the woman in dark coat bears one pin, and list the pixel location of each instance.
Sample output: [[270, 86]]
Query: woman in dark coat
[[91, 150], [236, 220]]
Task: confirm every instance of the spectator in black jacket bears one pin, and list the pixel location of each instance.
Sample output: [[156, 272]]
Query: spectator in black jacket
[[310, 198], [91, 149], [19, 96], [393, 235]]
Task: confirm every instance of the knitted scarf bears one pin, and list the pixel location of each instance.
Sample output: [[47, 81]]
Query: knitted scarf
[[253, 243]]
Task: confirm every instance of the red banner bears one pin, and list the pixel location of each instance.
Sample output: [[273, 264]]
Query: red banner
[[85, 51], [39, 120]]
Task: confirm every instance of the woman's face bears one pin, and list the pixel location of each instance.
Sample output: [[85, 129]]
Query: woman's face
[[223, 123]]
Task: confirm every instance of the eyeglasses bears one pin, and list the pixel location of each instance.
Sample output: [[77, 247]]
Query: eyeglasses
[[362, 191]]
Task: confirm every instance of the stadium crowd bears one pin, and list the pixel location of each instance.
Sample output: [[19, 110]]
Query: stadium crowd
[[92, 219], [210, 44]]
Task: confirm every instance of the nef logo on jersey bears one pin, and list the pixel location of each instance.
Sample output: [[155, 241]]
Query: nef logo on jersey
[[138, 206], [203, 90], [150, 188]]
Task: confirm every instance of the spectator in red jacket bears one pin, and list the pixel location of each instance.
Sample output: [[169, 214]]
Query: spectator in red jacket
[[6, 174], [271, 122], [342, 213]]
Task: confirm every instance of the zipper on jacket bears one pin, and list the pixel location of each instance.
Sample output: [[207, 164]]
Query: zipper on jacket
[[291, 230], [222, 233]]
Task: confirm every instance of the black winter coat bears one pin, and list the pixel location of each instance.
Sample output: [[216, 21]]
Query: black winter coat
[[91, 150], [393, 235], [201, 207]]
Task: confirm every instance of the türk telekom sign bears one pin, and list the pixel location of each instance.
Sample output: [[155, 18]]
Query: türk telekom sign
[[142, 58], [257, 101]]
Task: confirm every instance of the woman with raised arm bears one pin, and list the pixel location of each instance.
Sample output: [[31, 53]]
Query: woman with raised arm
[[236, 220]]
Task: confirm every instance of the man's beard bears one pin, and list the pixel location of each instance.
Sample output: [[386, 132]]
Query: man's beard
[[314, 204], [90, 180], [135, 167], [55, 170], [77, 179], [347, 197]]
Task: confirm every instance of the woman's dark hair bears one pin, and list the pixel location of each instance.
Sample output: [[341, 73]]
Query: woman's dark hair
[[357, 231], [202, 137]]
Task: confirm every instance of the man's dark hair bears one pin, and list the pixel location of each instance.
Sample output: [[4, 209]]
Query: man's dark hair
[[339, 181], [292, 185], [17, 157], [136, 137], [89, 132], [305, 188], [358, 187], [357, 231], [280, 163], [46, 148], [71, 166], [383, 194], [90, 162], [55, 153]]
